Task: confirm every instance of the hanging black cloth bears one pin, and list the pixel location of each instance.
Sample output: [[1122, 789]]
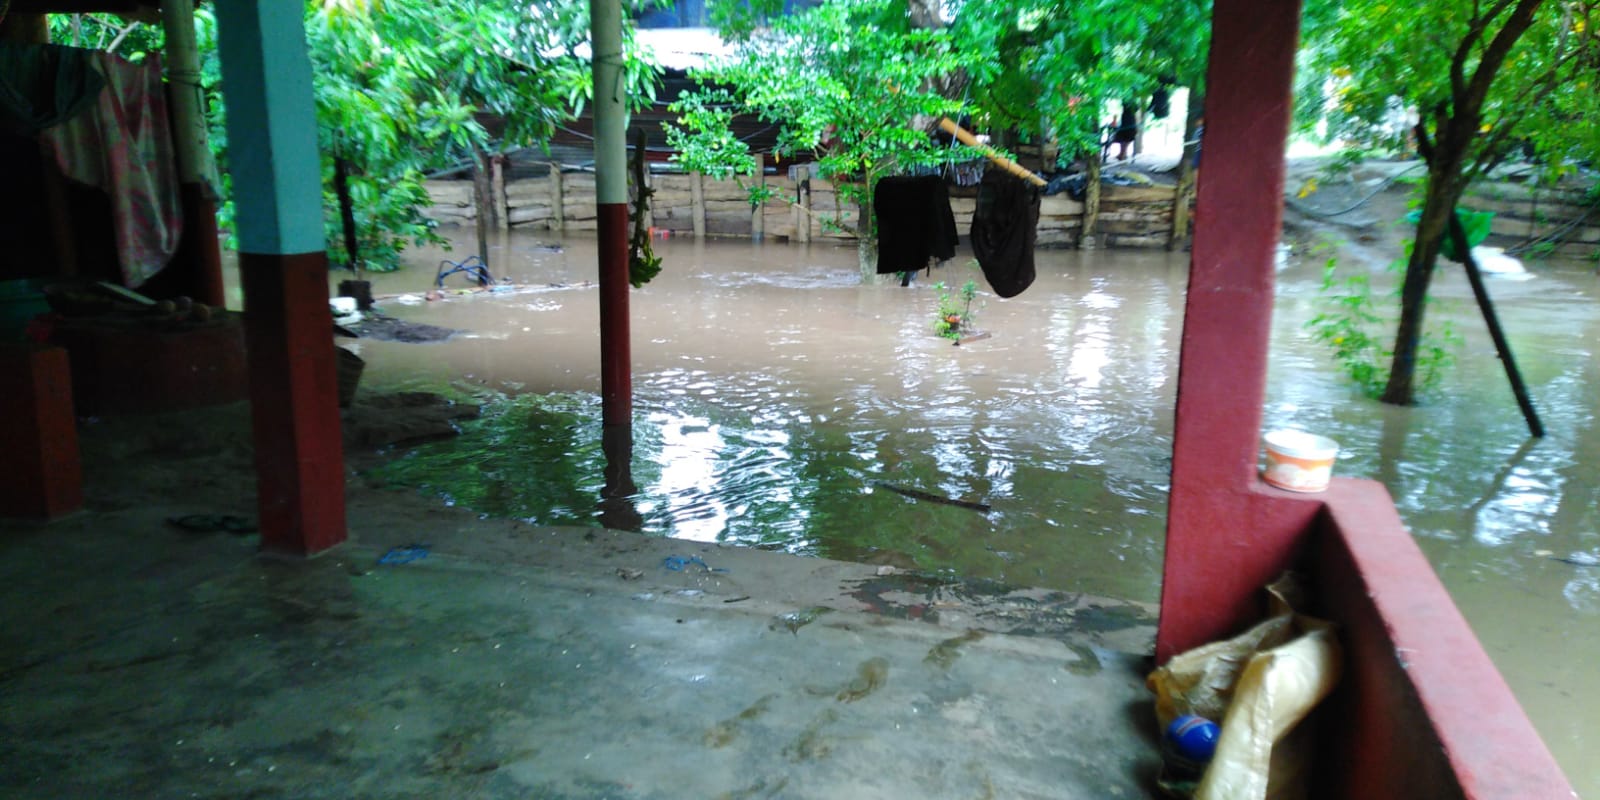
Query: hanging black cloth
[[1004, 228], [44, 85], [914, 222]]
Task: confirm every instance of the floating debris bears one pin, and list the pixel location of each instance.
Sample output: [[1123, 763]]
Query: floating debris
[[870, 677], [1088, 662], [629, 573], [945, 653], [810, 744], [795, 620], [918, 494], [723, 733], [681, 563], [758, 789], [1579, 559], [404, 555]]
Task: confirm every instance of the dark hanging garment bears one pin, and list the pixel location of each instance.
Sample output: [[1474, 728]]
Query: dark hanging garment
[[1160, 103], [42, 86], [1004, 228], [914, 223]]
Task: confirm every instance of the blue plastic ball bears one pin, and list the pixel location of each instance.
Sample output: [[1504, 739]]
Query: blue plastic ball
[[1194, 738]]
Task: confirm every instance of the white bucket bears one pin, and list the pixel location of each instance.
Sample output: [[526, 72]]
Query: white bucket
[[1299, 461]]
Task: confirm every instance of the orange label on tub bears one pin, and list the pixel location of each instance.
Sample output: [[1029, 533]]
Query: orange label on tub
[[1298, 474]]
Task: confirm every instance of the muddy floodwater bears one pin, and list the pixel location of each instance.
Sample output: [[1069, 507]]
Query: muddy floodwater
[[781, 403]]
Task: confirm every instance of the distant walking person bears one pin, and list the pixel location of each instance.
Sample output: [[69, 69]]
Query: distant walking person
[[1127, 129]]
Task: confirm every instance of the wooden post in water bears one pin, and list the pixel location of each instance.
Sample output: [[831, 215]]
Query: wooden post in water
[[697, 203], [1091, 203], [802, 204], [558, 199], [1183, 197], [497, 189], [482, 202], [758, 222]]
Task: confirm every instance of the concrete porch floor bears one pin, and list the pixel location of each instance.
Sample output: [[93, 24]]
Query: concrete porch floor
[[138, 660]]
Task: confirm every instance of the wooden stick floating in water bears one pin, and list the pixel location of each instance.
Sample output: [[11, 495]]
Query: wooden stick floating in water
[[917, 494]]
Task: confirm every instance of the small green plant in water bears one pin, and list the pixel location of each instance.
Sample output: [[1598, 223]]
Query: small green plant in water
[[955, 311], [1355, 331]]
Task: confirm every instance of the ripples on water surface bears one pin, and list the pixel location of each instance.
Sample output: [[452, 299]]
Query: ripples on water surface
[[772, 391]]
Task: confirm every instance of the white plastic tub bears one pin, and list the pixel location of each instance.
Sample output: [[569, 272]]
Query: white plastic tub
[[1299, 461]]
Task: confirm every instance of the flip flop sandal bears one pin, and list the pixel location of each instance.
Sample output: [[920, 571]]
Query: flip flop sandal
[[213, 523]]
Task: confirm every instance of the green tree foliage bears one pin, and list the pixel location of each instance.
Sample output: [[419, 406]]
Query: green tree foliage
[[132, 39], [1482, 77], [1059, 64], [861, 83], [843, 80], [404, 87]]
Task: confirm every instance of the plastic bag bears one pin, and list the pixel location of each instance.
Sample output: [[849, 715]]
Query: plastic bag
[[1259, 685]]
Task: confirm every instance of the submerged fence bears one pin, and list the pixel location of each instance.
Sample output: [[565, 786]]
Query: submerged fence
[[800, 208]]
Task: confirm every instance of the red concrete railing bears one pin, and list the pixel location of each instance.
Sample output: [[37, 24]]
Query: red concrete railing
[[1421, 710]]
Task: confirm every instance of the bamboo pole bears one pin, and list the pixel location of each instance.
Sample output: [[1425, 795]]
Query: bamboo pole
[[988, 152], [1501, 346]]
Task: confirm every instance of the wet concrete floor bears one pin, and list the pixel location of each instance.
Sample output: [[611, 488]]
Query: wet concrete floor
[[139, 660]]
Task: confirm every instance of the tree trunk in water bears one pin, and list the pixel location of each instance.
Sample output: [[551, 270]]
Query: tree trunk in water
[[1457, 124], [1444, 191], [1091, 202], [347, 213], [1183, 197], [866, 238]]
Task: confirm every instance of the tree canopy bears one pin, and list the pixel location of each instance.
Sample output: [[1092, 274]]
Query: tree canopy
[[403, 87], [860, 83], [1471, 80]]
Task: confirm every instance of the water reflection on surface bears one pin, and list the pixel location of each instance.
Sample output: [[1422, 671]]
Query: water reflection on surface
[[773, 390]]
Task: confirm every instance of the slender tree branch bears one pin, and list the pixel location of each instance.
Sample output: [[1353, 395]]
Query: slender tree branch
[[1495, 54], [1475, 31], [117, 42]]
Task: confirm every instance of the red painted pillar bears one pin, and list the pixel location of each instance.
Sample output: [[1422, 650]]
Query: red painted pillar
[[38, 434], [616, 362], [272, 131], [294, 402], [1227, 533], [611, 211]]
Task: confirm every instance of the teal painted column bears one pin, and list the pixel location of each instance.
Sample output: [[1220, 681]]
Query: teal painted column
[[277, 189], [272, 126]]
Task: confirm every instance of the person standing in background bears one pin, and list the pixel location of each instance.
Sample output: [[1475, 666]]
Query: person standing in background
[[1127, 129]]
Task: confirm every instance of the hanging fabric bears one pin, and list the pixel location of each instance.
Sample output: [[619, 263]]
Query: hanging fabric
[[43, 85], [1004, 228], [914, 223], [123, 145]]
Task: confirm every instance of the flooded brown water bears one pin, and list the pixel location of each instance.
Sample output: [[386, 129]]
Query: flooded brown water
[[775, 395]]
